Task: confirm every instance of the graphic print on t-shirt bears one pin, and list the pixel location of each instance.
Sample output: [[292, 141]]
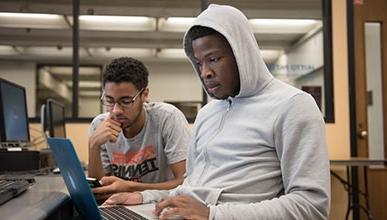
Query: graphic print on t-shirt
[[133, 165]]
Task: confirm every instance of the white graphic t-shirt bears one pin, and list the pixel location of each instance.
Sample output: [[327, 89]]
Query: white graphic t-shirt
[[145, 157]]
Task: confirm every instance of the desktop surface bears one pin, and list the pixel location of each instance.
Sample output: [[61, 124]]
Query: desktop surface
[[11, 188], [42, 199]]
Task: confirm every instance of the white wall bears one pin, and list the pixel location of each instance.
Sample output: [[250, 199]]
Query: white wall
[[89, 106], [22, 73], [173, 82], [302, 59], [310, 52]]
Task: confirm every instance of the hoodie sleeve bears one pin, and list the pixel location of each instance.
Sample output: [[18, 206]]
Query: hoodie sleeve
[[152, 196], [299, 135]]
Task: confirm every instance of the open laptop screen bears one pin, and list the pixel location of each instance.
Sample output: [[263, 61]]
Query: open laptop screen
[[74, 177]]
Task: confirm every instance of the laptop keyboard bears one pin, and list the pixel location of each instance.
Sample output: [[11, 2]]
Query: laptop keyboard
[[118, 213], [12, 188]]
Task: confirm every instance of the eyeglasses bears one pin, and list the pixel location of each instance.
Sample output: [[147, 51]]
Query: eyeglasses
[[124, 103]]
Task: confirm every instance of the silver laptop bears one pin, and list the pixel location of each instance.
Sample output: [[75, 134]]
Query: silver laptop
[[79, 189]]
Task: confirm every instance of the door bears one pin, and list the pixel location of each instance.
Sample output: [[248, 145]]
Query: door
[[370, 68]]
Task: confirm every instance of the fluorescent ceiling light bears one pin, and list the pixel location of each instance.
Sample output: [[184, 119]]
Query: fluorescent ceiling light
[[175, 24], [68, 71], [29, 20], [283, 25], [51, 51], [85, 84], [89, 93], [90, 84], [7, 50], [172, 53], [119, 52], [116, 23]]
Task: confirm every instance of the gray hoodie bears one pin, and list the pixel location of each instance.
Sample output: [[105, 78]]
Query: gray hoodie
[[261, 154]]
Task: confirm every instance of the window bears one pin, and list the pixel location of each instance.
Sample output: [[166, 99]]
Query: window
[[56, 82]]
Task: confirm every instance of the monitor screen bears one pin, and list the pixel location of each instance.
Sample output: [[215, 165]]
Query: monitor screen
[[55, 119], [14, 125]]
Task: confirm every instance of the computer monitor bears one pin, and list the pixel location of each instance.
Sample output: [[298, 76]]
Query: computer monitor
[[43, 119], [14, 127], [55, 118]]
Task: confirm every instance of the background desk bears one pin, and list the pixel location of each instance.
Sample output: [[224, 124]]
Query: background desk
[[353, 190], [47, 198]]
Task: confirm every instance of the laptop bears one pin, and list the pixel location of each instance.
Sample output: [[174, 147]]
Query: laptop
[[80, 192]]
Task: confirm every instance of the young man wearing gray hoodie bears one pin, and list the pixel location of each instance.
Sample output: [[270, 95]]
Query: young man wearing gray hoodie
[[258, 149]]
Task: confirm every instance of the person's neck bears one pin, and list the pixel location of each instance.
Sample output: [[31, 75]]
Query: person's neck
[[136, 127]]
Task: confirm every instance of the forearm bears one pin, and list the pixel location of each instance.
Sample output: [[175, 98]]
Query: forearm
[[95, 168], [152, 196], [159, 186]]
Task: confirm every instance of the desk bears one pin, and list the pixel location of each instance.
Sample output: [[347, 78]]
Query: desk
[[350, 188], [47, 198]]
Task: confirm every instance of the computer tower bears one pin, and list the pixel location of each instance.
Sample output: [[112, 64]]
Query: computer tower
[[19, 160]]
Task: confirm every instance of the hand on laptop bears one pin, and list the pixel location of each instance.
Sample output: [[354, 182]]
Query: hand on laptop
[[124, 199], [113, 184], [181, 207]]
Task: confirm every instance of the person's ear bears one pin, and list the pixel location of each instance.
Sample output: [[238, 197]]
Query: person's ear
[[145, 94]]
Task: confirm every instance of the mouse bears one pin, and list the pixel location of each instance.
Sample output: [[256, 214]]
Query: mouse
[[56, 170], [173, 217]]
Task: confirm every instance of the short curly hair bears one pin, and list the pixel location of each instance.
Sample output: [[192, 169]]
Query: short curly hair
[[126, 69], [200, 31], [197, 32]]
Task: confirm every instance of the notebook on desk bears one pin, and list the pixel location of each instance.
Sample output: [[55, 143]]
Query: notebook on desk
[[80, 192]]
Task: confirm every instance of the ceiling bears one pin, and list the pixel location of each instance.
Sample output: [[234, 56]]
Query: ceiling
[[54, 45], [24, 41]]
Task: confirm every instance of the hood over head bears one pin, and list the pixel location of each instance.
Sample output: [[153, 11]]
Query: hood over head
[[235, 27]]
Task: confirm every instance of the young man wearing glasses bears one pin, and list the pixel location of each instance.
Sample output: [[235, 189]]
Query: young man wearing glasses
[[135, 145]]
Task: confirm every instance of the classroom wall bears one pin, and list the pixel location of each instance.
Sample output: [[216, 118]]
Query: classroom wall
[[338, 133], [188, 85], [173, 82], [76, 132], [338, 137]]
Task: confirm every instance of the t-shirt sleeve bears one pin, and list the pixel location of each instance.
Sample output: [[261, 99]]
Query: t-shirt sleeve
[[176, 136]]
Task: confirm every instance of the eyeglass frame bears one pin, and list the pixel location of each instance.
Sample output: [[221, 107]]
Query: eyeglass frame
[[132, 100]]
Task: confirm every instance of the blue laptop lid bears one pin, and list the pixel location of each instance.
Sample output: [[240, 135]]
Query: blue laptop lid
[[74, 177]]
